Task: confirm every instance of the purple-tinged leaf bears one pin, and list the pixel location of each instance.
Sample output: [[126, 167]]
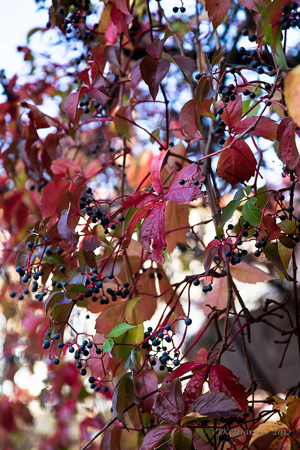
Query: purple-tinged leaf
[[155, 169], [188, 192], [153, 438], [136, 76], [79, 276], [64, 228], [71, 105], [111, 55], [98, 94], [186, 64], [187, 120], [169, 403], [215, 404], [155, 49], [153, 72], [153, 232]]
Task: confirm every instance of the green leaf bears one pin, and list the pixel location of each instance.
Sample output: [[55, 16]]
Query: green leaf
[[268, 32], [31, 32], [154, 134], [227, 214], [251, 213], [108, 345], [229, 210], [217, 55], [279, 53], [131, 361], [118, 330], [239, 194], [248, 190]]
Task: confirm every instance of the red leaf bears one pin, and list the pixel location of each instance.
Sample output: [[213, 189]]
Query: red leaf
[[288, 150], [139, 199], [133, 223], [63, 165], [155, 436], [71, 105], [153, 72], [123, 5], [153, 232], [169, 403], [213, 405], [194, 388], [146, 382], [111, 33], [233, 111], [223, 380], [187, 120], [98, 56], [120, 19], [250, 4], [182, 369], [273, 229], [84, 75], [52, 194], [210, 252], [217, 10], [111, 439], [236, 164], [95, 422], [155, 169], [40, 119], [188, 192], [176, 129], [266, 127]]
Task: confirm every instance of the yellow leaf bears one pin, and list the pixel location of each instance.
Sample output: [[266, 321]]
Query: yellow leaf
[[292, 94], [266, 428]]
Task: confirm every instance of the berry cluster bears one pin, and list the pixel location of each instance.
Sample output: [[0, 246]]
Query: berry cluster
[[91, 206], [154, 343], [290, 17]]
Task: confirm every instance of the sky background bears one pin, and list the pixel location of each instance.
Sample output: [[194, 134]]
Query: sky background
[[17, 18]]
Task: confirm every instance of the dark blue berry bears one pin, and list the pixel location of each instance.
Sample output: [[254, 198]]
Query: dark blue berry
[[56, 336], [62, 269], [181, 182], [188, 321], [168, 327], [56, 361], [46, 344], [29, 244]]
